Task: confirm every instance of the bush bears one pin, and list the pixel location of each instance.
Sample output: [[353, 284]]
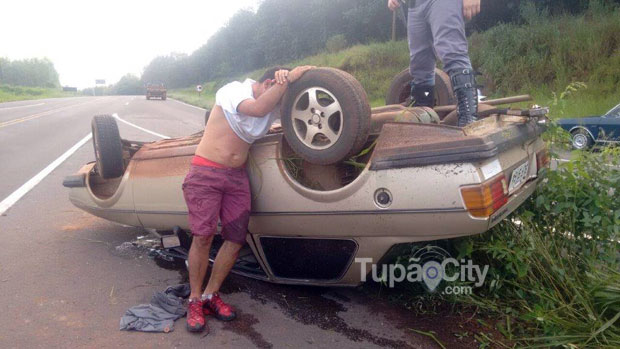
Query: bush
[[551, 51], [554, 266], [336, 43]]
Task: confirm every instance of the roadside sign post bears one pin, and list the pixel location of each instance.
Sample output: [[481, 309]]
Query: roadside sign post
[[98, 82], [199, 89]]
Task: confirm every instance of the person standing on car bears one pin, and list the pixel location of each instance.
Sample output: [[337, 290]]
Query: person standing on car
[[436, 28], [217, 184]]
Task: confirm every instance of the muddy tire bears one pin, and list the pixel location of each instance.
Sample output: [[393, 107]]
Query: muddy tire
[[163, 97], [400, 89], [326, 116], [108, 147]]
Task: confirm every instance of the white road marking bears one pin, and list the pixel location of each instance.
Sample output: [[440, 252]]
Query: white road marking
[[189, 105], [21, 106], [139, 128], [24, 189], [48, 112]]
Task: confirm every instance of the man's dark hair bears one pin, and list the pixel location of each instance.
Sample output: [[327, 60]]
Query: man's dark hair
[[271, 73]]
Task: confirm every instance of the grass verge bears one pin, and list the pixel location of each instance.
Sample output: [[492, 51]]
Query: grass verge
[[10, 93], [190, 96]]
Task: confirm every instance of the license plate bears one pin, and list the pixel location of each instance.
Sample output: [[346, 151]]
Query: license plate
[[518, 176]]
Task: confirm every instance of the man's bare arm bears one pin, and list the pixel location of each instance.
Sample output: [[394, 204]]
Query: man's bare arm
[[267, 102], [264, 104]]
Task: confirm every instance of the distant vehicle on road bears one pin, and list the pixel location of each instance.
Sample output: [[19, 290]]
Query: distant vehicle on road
[[592, 130], [156, 91]]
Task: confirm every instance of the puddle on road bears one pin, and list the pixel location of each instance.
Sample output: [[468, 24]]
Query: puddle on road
[[243, 326], [308, 305]]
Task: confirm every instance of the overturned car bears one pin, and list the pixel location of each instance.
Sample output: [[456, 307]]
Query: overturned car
[[338, 180]]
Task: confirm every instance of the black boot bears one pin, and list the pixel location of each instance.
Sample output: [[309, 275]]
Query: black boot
[[466, 92], [422, 96]]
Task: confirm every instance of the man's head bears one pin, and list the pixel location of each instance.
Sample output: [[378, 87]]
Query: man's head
[[267, 80]]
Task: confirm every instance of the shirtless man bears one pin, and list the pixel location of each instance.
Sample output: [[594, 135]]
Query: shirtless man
[[217, 184]]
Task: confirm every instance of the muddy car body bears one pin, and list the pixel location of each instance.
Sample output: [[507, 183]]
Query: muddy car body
[[419, 182]]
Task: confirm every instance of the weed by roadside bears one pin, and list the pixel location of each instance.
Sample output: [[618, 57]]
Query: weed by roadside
[[554, 275]]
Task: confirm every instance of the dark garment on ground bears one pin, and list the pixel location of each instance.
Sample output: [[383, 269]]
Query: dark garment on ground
[[160, 314]]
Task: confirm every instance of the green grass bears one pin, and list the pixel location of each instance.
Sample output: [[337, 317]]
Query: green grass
[[19, 93], [585, 101], [551, 52], [190, 96]]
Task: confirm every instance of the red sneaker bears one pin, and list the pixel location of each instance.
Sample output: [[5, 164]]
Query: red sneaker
[[195, 319], [216, 306]]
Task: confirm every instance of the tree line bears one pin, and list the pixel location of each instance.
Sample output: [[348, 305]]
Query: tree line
[[33, 72], [281, 31]]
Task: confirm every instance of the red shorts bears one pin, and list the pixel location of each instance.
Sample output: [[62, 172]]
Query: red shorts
[[213, 192]]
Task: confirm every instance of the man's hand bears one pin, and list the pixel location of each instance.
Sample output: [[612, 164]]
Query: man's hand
[[470, 8], [393, 4], [282, 76], [297, 72]]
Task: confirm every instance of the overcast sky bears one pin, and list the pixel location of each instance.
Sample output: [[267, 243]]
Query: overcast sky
[[90, 40]]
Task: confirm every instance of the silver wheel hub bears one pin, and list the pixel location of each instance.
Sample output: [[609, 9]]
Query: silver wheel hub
[[317, 118], [580, 141]]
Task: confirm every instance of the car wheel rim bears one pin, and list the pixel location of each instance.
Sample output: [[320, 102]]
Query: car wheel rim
[[317, 118], [579, 141]]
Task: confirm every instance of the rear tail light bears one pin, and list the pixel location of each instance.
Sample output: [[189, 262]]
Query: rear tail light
[[486, 198], [542, 159]]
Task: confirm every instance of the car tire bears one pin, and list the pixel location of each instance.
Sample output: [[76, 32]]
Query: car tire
[[400, 89], [331, 126], [108, 147], [581, 139], [163, 97]]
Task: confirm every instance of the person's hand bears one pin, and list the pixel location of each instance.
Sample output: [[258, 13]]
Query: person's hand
[[296, 73], [470, 8], [280, 76], [393, 4]]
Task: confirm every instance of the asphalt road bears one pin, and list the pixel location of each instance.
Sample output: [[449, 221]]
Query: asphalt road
[[64, 281]]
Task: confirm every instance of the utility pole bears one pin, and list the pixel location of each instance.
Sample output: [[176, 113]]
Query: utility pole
[[393, 25]]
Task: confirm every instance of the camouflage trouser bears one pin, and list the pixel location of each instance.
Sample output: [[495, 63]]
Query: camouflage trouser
[[436, 29]]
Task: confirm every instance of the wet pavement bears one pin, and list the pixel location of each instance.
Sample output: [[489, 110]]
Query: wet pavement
[[66, 278]]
